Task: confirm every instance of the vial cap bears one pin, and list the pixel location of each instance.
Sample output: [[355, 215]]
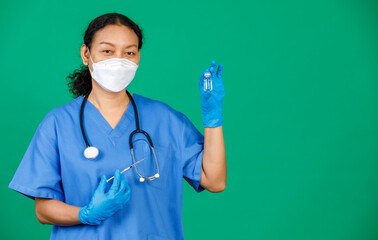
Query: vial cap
[[207, 75]]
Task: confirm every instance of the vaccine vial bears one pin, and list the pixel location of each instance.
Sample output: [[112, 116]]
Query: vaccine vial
[[207, 82]]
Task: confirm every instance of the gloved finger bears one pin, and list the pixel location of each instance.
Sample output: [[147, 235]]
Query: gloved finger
[[115, 186], [122, 184], [124, 191], [127, 188], [220, 70], [102, 185], [212, 67]]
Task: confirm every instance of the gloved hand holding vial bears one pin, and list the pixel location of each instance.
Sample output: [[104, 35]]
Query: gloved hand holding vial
[[212, 93]]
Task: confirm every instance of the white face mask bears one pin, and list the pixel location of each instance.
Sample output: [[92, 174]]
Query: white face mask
[[113, 74]]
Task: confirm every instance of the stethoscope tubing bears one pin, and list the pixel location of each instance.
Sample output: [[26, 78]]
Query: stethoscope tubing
[[138, 130]]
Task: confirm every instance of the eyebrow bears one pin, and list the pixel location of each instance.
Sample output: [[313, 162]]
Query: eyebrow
[[132, 45]]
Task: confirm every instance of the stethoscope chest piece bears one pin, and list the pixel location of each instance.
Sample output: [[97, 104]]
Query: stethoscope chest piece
[[91, 152]]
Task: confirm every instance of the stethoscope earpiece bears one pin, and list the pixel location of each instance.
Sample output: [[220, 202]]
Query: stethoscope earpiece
[[91, 152]]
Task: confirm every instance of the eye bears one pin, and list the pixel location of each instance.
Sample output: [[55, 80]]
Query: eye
[[129, 53], [106, 51]]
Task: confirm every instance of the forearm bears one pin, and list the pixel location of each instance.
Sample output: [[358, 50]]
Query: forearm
[[214, 167], [55, 212]]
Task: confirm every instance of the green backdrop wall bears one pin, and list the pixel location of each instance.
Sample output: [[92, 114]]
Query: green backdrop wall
[[300, 111]]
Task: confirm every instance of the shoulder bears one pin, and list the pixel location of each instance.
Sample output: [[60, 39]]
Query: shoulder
[[153, 106], [72, 106], [160, 114], [61, 113]]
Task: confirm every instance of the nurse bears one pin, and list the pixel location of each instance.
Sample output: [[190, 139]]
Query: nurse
[[70, 189]]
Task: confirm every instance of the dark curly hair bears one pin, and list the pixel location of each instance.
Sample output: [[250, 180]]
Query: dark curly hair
[[79, 82]]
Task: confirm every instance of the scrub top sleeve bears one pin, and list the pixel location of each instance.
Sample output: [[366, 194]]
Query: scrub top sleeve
[[192, 152], [38, 174]]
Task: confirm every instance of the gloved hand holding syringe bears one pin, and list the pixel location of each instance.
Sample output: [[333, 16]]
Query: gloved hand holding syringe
[[124, 170]]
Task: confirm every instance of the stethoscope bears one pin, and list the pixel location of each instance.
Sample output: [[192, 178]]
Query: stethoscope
[[92, 152]]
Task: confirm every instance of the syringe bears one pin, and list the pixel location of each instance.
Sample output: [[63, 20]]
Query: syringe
[[124, 170]]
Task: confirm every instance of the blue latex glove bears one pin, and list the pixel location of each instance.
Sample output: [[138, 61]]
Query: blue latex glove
[[211, 101], [104, 205]]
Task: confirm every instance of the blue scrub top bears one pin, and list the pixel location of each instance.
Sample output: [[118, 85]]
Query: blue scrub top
[[54, 167]]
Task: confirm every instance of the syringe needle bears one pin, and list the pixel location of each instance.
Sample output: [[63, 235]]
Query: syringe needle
[[124, 170]]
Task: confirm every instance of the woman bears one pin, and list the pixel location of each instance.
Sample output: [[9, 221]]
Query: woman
[[70, 188]]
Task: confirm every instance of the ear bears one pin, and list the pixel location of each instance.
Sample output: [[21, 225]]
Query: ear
[[84, 54]]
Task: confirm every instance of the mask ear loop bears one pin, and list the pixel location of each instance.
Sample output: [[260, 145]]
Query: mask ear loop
[[91, 60]]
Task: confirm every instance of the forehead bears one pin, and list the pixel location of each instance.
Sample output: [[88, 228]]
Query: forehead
[[119, 35]]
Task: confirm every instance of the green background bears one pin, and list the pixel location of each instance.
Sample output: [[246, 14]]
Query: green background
[[300, 111]]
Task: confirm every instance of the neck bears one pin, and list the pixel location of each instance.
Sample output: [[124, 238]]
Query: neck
[[105, 100]]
